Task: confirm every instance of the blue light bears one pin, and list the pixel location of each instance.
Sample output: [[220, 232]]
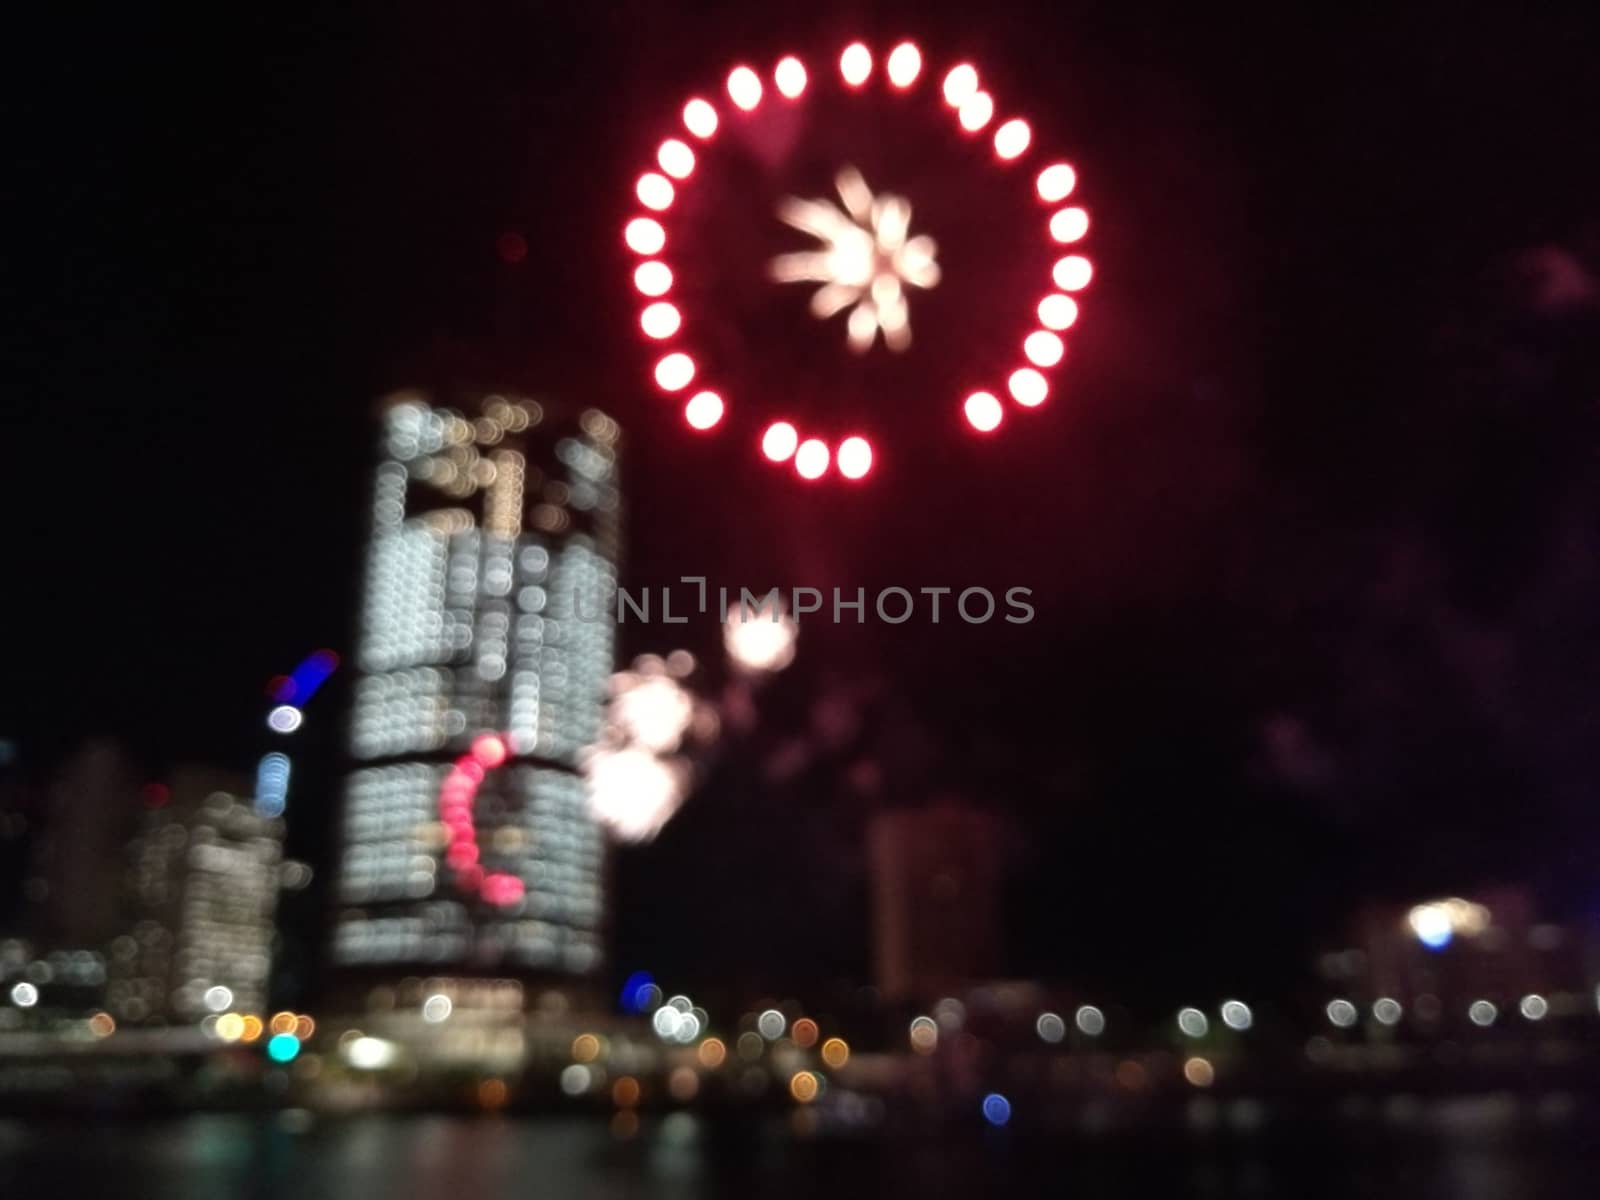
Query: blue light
[[283, 1047], [1436, 939], [996, 1109], [634, 990], [272, 785], [312, 674]]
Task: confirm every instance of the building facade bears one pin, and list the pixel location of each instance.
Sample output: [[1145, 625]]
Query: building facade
[[495, 529], [202, 893]]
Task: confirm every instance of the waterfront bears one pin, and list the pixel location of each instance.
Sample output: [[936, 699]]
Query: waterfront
[[1469, 1148]]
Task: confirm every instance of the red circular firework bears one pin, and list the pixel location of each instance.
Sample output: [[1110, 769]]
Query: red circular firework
[[869, 263]]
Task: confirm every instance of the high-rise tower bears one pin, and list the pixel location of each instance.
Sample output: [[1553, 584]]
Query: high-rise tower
[[491, 573]]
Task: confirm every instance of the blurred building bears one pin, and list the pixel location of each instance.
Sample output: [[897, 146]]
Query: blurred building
[[74, 877], [491, 526], [935, 898], [1438, 958], [201, 884]]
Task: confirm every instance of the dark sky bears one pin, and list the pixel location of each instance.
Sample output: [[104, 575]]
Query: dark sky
[[1311, 525]]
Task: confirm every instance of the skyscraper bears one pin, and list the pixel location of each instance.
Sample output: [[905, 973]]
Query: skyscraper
[[491, 572], [201, 893]]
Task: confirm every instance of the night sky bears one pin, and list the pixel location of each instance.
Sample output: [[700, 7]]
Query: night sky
[[1311, 524]]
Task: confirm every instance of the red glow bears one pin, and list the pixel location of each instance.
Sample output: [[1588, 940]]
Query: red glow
[[744, 88], [975, 113], [1028, 387], [1069, 224], [854, 457], [645, 236], [511, 247], [855, 64], [811, 459], [501, 889], [674, 372], [960, 85], [654, 191], [983, 412], [779, 441], [675, 158], [472, 769], [1044, 349], [489, 750], [905, 64], [155, 795], [1056, 182], [1057, 311], [790, 76], [704, 410], [461, 854], [1011, 139], [660, 320], [281, 689], [653, 278], [699, 118], [1072, 273]]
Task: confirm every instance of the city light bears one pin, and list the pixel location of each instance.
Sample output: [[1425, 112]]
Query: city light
[[996, 1109], [644, 235], [285, 718], [835, 1052], [655, 192], [1057, 312], [674, 372], [1090, 1020], [1072, 273], [632, 792], [1533, 1007], [436, 1008], [1236, 1015], [660, 320], [1193, 1023], [1341, 1013], [756, 641], [675, 158], [272, 784], [976, 111], [1387, 1011], [1044, 349], [24, 995], [1050, 1028], [811, 458], [771, 1024], [654, 278], [1482, 1013], [283, 1047], [371, 1053]]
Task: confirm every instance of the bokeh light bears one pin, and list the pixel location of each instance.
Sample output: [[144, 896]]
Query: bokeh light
[[654, 278], [654, 191], [755, 641], [283, 1047], [960, 84], [1072, 273], [1199, 1072], [779, 441], [1193, 1023], [790, 76], [699, 118], [811, 458], [674, 372], [1057, 312], [1090, 1020], [976, 111], [660, 320], [854, 457], [645, 236], [1028, 388], [1236, 1015], [1044, 349], [855, 64], [996, 1109], [904, 65], [744, 88], [286, 718], [1056, 182], [924, 1035], [803, 1086], [1011, 139], [1069, 224], [1050, 1028], [983, 412], [675, 158], [835, 1052], [704, 410], [1341, 1013]]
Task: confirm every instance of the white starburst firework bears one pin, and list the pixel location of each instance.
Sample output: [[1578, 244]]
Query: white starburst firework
[[866, 260]]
